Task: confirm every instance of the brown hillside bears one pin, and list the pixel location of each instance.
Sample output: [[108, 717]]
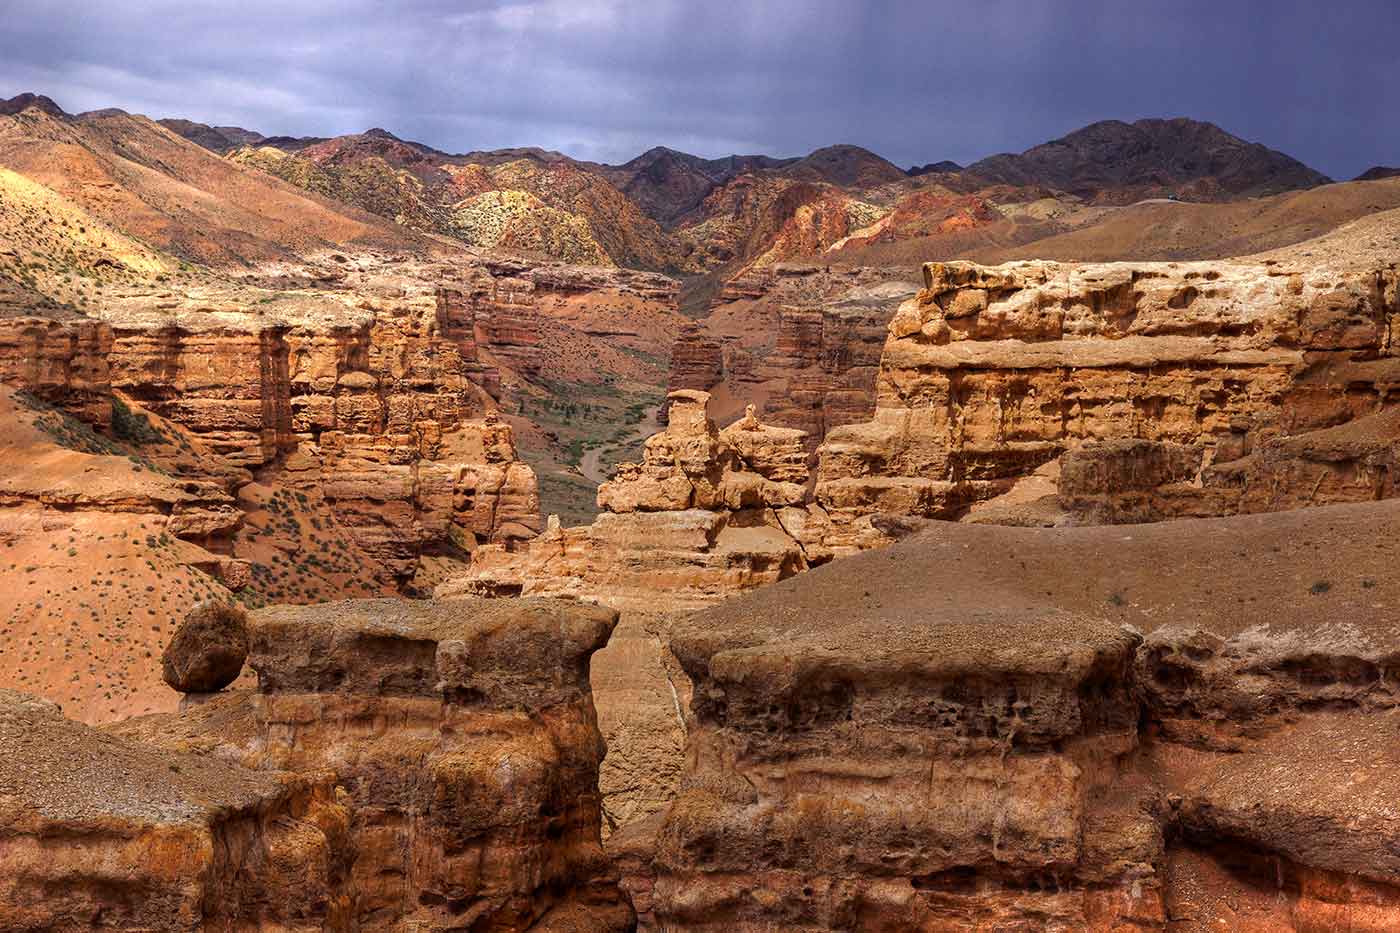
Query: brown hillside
[[148, 182]]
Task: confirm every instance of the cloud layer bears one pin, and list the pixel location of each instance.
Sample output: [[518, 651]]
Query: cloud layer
[[607, 79]]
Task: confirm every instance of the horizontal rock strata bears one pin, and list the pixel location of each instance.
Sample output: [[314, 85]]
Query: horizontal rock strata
[[989, 727], [462, 738], [1172, 389], [803, 341], [701, 517], [103, 831]]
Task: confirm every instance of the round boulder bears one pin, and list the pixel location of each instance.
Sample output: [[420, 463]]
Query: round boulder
[[208, 649]]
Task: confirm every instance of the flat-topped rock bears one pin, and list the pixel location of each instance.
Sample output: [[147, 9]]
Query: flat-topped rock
[[861, 642], [1244, 372], [527, 653], [54, 769], [101, 830], [928, 729], [464, 739]]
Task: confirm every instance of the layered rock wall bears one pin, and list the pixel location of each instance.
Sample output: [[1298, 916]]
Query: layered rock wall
[[1176, 388], [505, 295], [384, 409], [701, 517], [461, 741], [104, 831], [62, 362], [1015, 728], [804, 342]]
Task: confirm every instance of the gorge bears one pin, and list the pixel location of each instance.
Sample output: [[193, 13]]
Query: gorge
[[990, 567]]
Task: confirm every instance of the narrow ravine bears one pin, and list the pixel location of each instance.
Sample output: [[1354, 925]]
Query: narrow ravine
[[591, 464]]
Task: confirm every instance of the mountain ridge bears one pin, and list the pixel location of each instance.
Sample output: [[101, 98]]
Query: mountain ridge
[[676, 212]]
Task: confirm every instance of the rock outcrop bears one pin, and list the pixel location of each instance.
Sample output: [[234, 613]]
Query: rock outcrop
[[461, 742], [1001, 727], [105, 831], [701, 517], [61, 359], [706, 514], [1176, 388], [802, 342], [366, 405]]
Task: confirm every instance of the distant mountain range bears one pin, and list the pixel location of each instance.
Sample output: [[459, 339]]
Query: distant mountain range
[[672, 211]]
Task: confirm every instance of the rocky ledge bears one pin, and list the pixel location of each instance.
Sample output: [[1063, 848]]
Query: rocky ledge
[[1171, 389], [425, 765], [102, 831], [1017, 728]]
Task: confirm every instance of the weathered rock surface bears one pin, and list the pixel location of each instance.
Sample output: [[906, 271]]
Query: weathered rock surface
[[1023, 727], [103, 831], [698, 519], [1172, 389], [802, 342], [642, 697], [207, 651], [464, 742], [366, 404], [706, 514], [61, 361]]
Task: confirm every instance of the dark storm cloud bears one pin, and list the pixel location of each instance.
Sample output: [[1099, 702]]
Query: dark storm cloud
[[606, 79]]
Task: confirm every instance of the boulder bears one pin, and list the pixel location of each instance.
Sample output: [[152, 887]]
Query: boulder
[[207, 652]]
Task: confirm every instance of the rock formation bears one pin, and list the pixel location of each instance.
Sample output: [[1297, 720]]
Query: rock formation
[[999, 727], [706, 514], [101, 830], [802, 342], [1034, 394], [1176, 388], [452, 747], [701, 517], [364, 405]]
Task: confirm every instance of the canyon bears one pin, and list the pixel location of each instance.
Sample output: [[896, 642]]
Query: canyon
[[1012, 551]]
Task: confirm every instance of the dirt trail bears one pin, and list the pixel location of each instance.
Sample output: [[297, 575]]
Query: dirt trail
[[591, 466]]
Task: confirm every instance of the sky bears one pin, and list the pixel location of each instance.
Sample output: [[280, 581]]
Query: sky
[[605, 80]]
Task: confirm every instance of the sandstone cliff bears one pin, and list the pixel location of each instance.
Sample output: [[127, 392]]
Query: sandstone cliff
[[1028, 728], [706, 514], [1171, 388], [363, 404], [104, 831], [802, 343], [455, 745], [700, 518]]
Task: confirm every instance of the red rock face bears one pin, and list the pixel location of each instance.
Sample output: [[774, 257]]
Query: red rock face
[[801, 342], [481, 804], [63, 362], [403, 764], [362, 406], [509, 331], [697, 362]]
